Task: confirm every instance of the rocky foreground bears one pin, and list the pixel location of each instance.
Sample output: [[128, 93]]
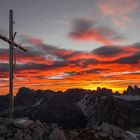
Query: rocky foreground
[[75, 114], [25, 129]]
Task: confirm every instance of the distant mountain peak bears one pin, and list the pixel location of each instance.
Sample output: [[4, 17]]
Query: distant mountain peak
[[132, 90]]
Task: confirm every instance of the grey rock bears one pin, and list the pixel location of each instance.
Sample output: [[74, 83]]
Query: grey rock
[[54, 125], [10, 139], [1, 120], [10, 133], [3, 129], [45, 137], [57, 134], [38, 123], [1, 138], [24, 129], [37, 133], [73, 134], [8, 121], [23, 123], [28, 137], [112, 130], [102, 134], [18, 135], [138, 137]]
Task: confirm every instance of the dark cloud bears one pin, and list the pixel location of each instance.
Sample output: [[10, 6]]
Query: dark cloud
[[82, 25], [3, 51], [95, 71], [41, 53], [86, 30], [51, 59], [4, 67], [90, 71], [129, 60], [108, 50]]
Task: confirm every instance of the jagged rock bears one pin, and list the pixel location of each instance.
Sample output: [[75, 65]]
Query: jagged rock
[[130, 136], [3, 129], [23, 123], [28, 137], [56, 134], [132, 90], [8, 121], [1, 120], [37, 133], [104, 91], [25, 129], [18, 135], [136, 90], [10, 139], [90, 134], [73, 134], [112, 130], [103, 134], [44, 105], [45, 137], [38, 123], [116, 93], [1, 138], [66, 111], [116, 109], [138, 137], [106, 129], [11, 132], [54, 125]]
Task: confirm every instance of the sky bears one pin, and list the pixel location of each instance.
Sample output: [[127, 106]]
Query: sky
[[72, 44]]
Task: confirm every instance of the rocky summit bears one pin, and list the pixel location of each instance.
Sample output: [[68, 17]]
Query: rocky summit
[[76, 108], [25, 129], [75, 114], [132, 90]]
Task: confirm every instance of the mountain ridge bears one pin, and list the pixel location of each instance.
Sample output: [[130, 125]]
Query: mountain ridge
[[130, 90], [76, 108]]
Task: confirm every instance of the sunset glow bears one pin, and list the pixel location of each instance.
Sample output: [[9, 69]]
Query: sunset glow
[[87, 52]]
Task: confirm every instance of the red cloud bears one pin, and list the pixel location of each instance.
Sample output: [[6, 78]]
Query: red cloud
[[116, 7], [71, 69], [85, 30], [93, 36], [118, 10], [34, 41], [111, 53]]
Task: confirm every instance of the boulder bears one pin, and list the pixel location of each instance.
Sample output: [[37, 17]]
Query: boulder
[[3, 130], [23, 123], [56, 134], [112, 130], [19, 135], [1, 138], [73, 134], [25, 129]]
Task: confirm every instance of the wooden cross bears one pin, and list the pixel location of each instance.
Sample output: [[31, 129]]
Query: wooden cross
[[12, 44]]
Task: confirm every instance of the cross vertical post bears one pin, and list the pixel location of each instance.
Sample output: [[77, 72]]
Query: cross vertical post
[[11, 49], [12, 44]]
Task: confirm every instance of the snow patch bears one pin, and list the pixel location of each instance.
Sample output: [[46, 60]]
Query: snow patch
[[128, 97]]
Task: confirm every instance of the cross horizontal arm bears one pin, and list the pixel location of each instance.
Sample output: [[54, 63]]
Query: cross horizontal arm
[[14, 43]]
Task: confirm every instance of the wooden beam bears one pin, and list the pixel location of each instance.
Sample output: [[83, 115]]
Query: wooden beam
[[11, 71], [4, 38]]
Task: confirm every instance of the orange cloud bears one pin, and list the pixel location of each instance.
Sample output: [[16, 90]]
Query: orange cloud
[[47, 66]]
